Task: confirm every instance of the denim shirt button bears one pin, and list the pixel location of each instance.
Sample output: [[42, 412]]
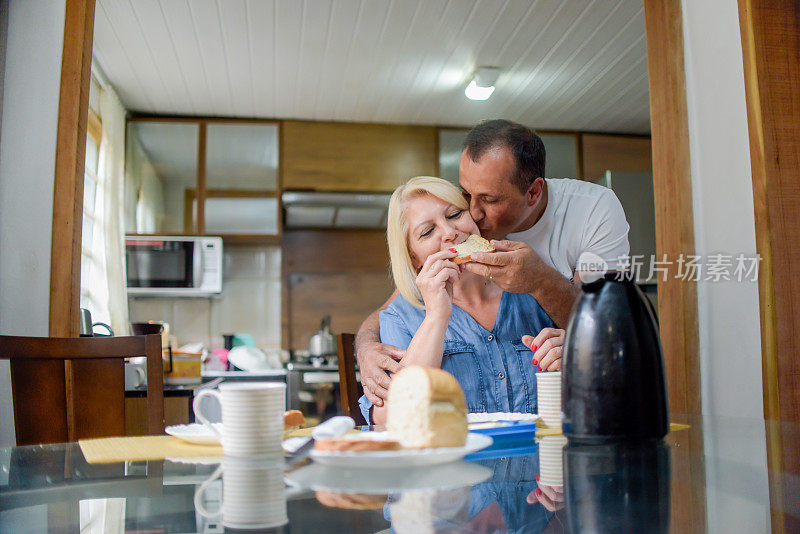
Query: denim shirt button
[[501, 376], [491, 337]]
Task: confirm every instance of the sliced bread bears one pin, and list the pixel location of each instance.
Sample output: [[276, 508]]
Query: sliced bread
[[474, 243]]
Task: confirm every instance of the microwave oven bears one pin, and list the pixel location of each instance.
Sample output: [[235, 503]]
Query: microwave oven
[[173, 266]]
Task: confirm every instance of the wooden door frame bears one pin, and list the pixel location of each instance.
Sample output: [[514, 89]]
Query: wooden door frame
[[65, 255], [770, 32], [73, 116], [677, 298]]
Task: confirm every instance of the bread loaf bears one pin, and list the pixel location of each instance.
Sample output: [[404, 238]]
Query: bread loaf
[[430, 511], [474, 243], [426, 408]]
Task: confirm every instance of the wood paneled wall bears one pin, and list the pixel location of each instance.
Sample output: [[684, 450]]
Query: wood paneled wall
[[770, 32], [341, 273], [340, 156], [614, 152]]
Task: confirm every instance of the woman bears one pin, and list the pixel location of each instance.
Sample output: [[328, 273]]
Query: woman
[[454, 319]]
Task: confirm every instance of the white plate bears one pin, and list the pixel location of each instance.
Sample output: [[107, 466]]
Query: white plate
[[399, 459], [195, 433], [344, 480], [484, 417]]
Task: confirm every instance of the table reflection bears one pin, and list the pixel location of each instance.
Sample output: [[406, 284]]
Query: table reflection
[[617, 487], [683, 483]]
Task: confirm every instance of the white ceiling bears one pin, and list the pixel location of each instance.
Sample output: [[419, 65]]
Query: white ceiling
[[565, 64]]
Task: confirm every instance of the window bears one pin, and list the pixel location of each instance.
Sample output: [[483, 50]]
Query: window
[[92, 247]]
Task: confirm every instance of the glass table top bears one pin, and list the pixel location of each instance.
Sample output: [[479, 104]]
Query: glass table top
[[717, 475]]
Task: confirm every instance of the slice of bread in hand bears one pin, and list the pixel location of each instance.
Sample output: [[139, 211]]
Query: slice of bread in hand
[[474, 243]]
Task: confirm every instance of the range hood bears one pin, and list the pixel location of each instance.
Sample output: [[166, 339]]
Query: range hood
[[311, 209]]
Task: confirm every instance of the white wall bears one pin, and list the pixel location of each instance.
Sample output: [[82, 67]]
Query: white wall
[[730, 337], [728, 312], [27, 162]]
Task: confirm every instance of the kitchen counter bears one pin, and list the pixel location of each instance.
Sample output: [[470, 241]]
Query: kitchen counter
[[243, 374], [170, 390]]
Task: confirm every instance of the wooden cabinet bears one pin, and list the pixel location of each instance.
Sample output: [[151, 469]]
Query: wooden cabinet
[[177, 411], [603, 153], [341, 273], [339, 156]]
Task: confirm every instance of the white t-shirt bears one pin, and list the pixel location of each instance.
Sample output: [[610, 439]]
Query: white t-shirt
[[583, 228]]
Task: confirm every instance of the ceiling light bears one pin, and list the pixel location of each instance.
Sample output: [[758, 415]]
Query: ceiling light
[[482, 85]]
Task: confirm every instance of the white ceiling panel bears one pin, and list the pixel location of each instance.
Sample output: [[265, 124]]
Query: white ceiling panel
[[564, 64]]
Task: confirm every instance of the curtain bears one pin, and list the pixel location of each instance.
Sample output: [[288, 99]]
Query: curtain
[[111, 174]]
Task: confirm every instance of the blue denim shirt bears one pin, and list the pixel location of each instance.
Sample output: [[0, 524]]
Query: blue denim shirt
[[493, 367], [511, 481]]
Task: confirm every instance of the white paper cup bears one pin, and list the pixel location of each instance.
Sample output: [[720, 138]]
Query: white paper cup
[[551, 460], [548, 397], [252, 416]]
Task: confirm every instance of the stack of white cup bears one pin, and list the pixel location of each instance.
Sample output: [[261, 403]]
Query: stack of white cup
[[548, 397], [551, 462], [252, 416], [253, 495]]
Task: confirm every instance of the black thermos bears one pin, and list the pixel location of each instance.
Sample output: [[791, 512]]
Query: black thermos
[[613, 385]]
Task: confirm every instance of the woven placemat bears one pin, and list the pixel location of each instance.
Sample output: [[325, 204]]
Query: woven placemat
[[109, 450]]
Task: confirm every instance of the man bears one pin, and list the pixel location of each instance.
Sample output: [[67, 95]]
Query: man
[[551, 234]]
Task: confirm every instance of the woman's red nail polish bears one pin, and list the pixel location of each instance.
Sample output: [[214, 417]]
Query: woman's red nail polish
[[534, 347], [453, 250], [539, 368], [537, 478], [538, 492], [535, 362]]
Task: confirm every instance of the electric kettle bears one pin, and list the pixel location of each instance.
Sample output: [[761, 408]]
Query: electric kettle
[[322, 343], [613, 385]]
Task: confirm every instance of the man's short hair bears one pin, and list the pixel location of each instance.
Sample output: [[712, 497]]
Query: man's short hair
[[526, 147]]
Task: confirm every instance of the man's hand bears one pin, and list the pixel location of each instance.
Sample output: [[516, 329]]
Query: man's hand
[[374, 360], [513, 267], [516, 268]]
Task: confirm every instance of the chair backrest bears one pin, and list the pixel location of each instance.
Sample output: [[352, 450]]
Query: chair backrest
[[66, 389], [349, 388]]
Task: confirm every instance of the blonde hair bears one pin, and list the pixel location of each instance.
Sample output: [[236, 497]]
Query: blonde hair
[[403, 269]]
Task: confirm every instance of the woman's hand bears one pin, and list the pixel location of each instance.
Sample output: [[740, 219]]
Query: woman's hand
[[435, 282], [546, 347], [551, 497]]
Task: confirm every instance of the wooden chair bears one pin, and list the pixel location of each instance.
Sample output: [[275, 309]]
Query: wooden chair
[[349, 388], [55, 403]]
